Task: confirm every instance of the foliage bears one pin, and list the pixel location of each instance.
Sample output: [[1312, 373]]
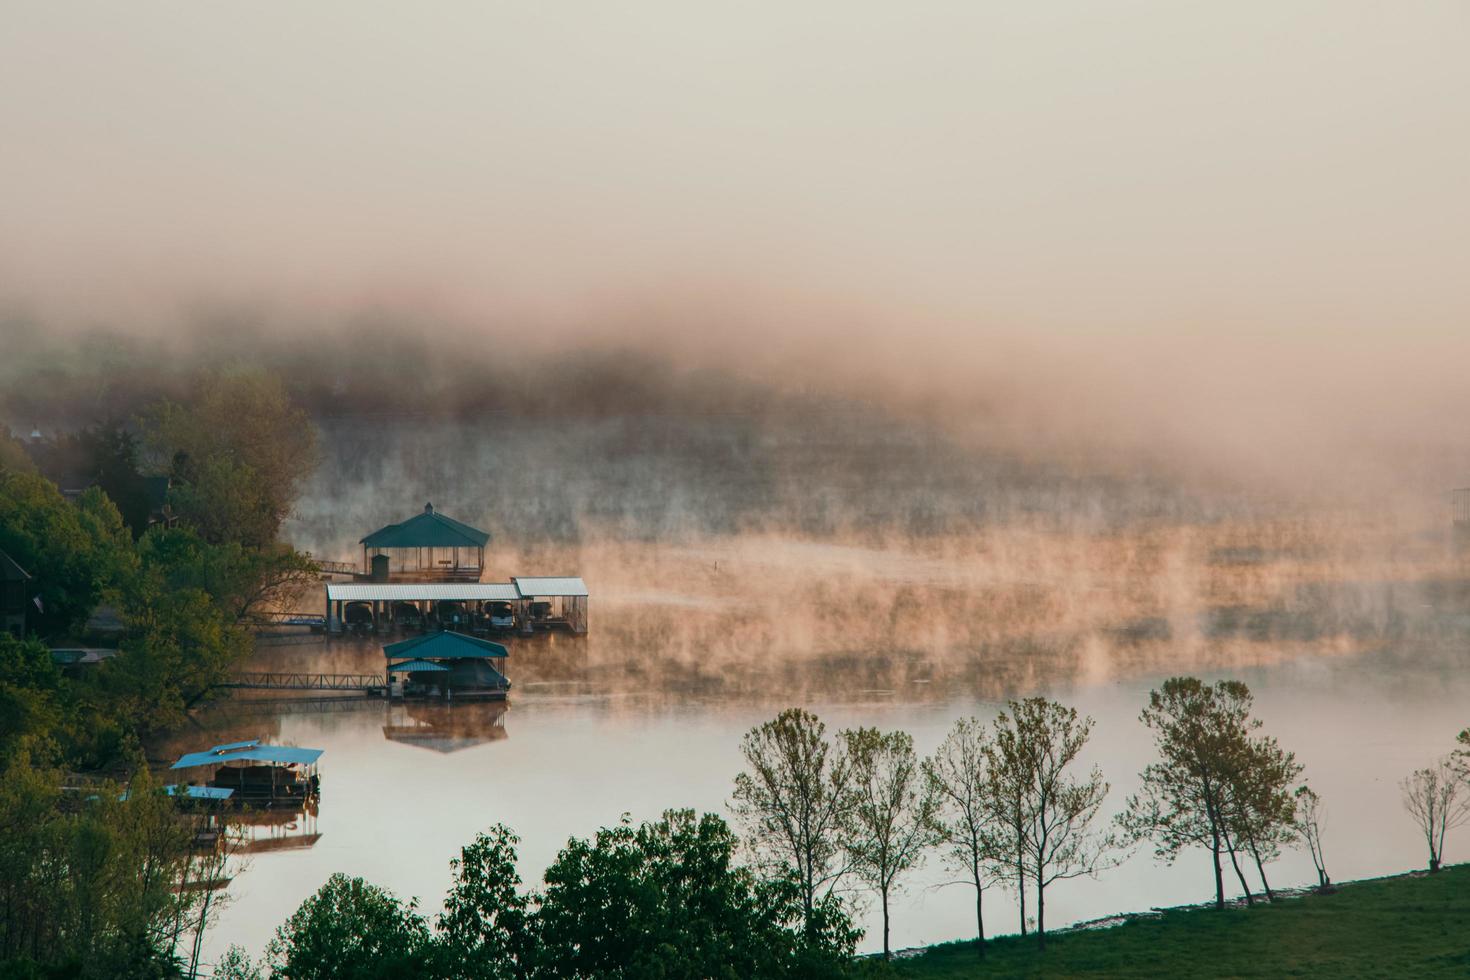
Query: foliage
[[239, 452], [892, 819], [665, 899], [1390, 927], [959, 777], [350, 929], [794, 798], [76, 554], [87, 879], [1034, 744], [1201, 732], [1259, 805], [485, 927], [1438, 801]]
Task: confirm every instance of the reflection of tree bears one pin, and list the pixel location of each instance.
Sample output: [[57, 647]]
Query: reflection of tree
[[201, 890], [447, 728]]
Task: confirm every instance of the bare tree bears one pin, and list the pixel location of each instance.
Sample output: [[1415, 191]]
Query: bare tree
[[958, 774], [1036, 742], [892, 820], [1311, 817], [794, 799], [1437, 800]]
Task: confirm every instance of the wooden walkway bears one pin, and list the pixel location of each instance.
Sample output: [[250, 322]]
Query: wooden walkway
[[294, 681]]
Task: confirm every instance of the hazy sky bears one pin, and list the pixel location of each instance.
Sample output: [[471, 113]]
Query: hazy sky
[[1266, 199], [1079, 166]]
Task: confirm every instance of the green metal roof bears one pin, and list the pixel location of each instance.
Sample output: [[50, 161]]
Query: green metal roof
[[444, 645], [416, 667], [427, 530]]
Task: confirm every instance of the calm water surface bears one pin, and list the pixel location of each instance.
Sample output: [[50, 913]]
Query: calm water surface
[[404, 786]]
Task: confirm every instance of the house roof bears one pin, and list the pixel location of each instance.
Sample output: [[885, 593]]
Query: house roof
[[443, 645], [427, 530], [251, 751]]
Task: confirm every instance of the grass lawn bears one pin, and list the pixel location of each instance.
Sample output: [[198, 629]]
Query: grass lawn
[[1385, 927]]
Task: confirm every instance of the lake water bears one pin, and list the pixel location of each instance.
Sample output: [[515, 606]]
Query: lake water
[[1358, 666]]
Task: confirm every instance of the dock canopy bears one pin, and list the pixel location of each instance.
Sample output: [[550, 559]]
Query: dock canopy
[[426, 547], [427, 530], [550, 588], [251, 751], [443, 645], [422, 592]]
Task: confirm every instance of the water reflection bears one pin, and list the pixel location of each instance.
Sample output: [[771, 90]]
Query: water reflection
[[445, 728]]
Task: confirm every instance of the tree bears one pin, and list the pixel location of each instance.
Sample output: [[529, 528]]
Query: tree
[[892, 820], [239, 452], [1201, 732], [665, 899], [1259, 805], [350, 929], [485, 924], [1436, 798], [76, 554], [794, 798], [1311, 817], [1035, 744], [958, 774]]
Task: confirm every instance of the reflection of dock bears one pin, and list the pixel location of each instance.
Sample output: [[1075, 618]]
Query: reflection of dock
[[290, 842], [445, 728]]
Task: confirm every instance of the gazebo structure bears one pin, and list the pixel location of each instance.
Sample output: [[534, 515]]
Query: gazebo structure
[[447, 665], [426, 547]]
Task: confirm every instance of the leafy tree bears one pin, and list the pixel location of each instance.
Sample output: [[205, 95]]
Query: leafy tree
[[109, 453], [76, 554], [486, 925], [1201, 732], [1436, 798], [959, 777], [1310, 818], [794, 798], [892, 820], [30, 693], [239, 451], [1259, 803], [1035, 743], [665, 899], [350, 929], [236, 964]]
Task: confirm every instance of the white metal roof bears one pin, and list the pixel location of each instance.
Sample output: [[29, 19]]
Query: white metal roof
[[549, 586], [409, 591]]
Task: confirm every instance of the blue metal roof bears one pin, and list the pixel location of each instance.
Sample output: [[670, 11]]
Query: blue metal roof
[[249, 752], [415, 666], [444, 645], [427, 530], [202, 792]]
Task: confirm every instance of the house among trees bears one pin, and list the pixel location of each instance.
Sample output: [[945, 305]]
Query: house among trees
[[15, 597]]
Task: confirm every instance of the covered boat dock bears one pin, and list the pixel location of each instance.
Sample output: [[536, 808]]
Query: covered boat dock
[[524, 604], [446, 665], [271, 775]]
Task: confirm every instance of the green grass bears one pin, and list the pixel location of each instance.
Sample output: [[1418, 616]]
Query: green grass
[[1386, 927]]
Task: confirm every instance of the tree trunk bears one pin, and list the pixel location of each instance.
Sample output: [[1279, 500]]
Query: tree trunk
[[1261, 868], [1021, 892], [1040, 914], [979, 915], [887, 954], [1219, 876], [1244, 885]]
